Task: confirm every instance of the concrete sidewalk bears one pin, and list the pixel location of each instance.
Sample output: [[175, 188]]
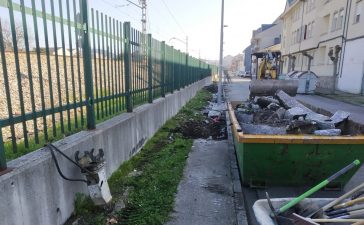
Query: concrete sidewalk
[[330, 105], [207, 194]]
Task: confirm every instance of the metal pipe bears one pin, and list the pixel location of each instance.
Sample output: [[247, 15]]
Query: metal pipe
[[221, 53]]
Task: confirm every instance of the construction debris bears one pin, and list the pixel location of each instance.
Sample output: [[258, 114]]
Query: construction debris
[[330, 132], [283, 114]]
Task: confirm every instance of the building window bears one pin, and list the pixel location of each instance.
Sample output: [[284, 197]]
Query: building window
[[329, 60], [358, 9], [341, 19], [334, 21], [305, 33]]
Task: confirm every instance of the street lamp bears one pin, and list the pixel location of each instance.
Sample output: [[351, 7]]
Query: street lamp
[[219, 92], [184, 42]]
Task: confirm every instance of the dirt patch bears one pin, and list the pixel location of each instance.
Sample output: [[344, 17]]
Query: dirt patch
[[214, 128], [211, 88]]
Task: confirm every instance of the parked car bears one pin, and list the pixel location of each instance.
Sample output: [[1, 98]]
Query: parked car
[[244, 74]]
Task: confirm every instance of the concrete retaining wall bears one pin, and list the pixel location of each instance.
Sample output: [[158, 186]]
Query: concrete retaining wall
[[34, 193]]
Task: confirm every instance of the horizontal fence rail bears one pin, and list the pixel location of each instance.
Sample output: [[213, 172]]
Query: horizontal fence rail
[[66, 67]]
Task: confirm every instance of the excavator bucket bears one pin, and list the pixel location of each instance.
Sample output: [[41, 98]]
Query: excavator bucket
[[270, 87]]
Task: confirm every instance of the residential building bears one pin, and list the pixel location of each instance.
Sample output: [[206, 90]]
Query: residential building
[[247, 59], [264, 40], [351, 73], [329, 32]]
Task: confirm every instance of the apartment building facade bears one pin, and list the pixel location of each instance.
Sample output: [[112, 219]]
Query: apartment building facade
[[330, 32], [265, 39]]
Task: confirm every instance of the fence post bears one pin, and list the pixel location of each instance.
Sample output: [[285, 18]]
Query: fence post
[[150, 70], [163, 69], [173, 63], [186, 75], [127, 66], [2, 153], [87, 66]]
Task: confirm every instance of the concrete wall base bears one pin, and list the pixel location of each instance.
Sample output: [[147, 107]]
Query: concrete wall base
[[34, 193]]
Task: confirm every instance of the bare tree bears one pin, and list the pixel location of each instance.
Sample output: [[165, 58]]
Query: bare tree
[[19, 34]]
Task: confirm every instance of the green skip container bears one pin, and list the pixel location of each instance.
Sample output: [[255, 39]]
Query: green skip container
[[293, 160]]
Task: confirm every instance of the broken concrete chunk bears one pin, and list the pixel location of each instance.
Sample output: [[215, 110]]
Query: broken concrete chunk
[[295, 113], [263, 102], [317, 117], [213, 114], [325, 125], [255, 107], [339, 116], [280, 113], [290, 102], [301, 127], [244, 118], [262, 129], [329, 132], [273, 106]]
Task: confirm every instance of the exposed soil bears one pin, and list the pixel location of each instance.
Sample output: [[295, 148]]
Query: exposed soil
[[210, 128]]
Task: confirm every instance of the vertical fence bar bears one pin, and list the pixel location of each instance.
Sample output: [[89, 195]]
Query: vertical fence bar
[[65, 66], [104, 66], [72, 64], [111, 65], [120, 72], [150, 69], [8, 98], [108, 65], [18, 74], [57, 67], [115, 68], [78, 34], [2, 152], [163, 67], [178, 75], [121, 62], [7, 92], [100, 65], [127, 66], [95, 63], [172, 70], [44, 18], [39, 61], [30, 75], [87, 64]]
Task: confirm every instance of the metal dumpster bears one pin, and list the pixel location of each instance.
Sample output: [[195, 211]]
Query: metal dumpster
[[293, 160]]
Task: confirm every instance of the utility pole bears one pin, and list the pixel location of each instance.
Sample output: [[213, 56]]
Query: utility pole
[[143, 7], [219, 93], [186, 44], [144, 15]]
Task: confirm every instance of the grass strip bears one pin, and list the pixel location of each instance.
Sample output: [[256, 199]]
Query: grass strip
[[148, 182]]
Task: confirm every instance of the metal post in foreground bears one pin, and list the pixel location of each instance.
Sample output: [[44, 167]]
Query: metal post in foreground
[[87, 64], [127, 67], [219, 93], [150, 69]]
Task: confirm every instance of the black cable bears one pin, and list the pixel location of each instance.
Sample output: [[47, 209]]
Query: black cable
[[59, 170], [52, 147]]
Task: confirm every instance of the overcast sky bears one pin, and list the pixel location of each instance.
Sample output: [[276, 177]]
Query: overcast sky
[[200, 21]]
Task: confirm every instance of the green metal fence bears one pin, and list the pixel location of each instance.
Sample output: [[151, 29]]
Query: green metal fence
[[80, 66]]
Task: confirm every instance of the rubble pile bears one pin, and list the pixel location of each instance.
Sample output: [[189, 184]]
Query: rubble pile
[[283, 114], [212, 125]]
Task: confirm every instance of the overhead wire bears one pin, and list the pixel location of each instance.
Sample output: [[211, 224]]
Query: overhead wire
[[174, 18], [115, 6]]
